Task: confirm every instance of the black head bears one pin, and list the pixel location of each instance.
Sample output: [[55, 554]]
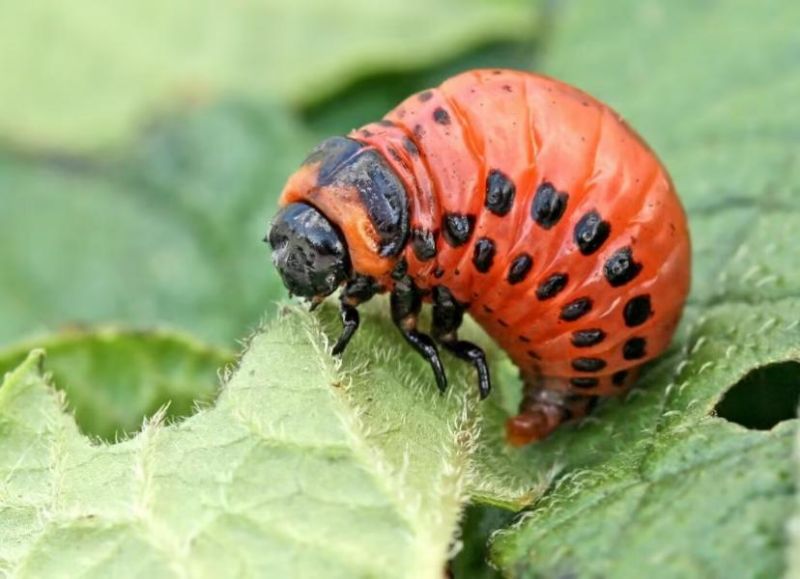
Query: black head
[[309, 252]]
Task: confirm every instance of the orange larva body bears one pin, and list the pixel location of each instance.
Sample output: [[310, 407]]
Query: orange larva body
[[580, 285]]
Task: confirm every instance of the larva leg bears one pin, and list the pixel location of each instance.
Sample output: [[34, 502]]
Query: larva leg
[[406, 304], [350, 322], [447, 317], [357, 291], [544, 407]]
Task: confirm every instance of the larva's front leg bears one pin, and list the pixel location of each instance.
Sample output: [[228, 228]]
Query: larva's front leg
[[358, 290]]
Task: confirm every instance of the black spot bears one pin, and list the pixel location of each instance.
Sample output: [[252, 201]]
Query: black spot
[[487, 309], [519, 268], [419, 131], [458, 228], [423, 242], [483, 256], [637, 310], [499, 192], [592, 403], [533, 355], [524, 339], [438, 272], [576, 309], [386, 123], [441, 116], [588, 364], [552, 286], [503, 323], [584, 383], [587, 338], [425, 96], [548, 205], [591, 232], [618, 378], [634, 349], [620, 268], [410, 146]]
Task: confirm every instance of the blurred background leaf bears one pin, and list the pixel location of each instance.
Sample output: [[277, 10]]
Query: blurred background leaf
[[82, 75], [166, 233], [113, 379]]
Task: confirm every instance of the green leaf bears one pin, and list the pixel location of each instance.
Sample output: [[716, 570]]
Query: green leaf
[[167, 231], [658, 484], [302, 468], [105, 69], [794, 523], [114, 378]]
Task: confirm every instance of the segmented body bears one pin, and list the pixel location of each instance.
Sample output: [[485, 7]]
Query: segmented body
[[547, 216]]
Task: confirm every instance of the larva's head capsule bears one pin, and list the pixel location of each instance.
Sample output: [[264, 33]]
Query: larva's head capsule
[[308, 251]]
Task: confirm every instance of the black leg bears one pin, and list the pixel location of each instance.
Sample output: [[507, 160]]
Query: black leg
[[350, 321], [423, 344], [469, 352], [358, 290], [447, 317], [406, 304]]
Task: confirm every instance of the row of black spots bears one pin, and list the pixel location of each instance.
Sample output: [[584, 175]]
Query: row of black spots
[[548, 205], [588, 364], [483, 254], [441, 116], [423, 242], [576, 309], [587, 338], [457, 228], [552, 286], [500, 192], [635, 348], [584, 383], [637, 310], [520, 267], [591, 232], [621, 267]]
